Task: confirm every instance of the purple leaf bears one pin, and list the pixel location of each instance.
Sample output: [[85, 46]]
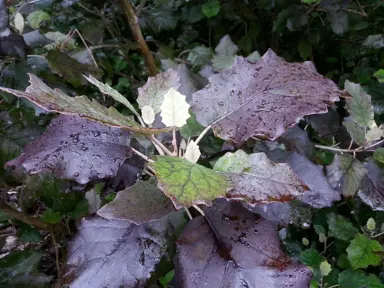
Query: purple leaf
[[75, 148], [143, 202], [262, 98], [236, 249], [372, 187], [114, 253]]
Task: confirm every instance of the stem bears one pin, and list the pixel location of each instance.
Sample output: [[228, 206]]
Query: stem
[[141, 155], [158, 143], [138, 36], [86, 46], [359, 149], [57, 260], [377, 235], [188, 213], [202, 134], [174, 142], [199, 210], [13, 213]]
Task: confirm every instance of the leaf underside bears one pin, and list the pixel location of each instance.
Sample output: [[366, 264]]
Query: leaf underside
[[263, 98]]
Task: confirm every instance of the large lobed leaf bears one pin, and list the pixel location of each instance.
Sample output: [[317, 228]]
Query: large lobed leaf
[[372, 187], [234, 248], [263, 98], [77, 149], [55, 100]]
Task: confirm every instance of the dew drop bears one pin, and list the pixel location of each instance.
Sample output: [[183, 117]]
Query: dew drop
[[76, 174], [221, 103], [232, 93], [96, 133]]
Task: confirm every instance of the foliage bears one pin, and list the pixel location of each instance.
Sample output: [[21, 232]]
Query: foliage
[[276, 164]]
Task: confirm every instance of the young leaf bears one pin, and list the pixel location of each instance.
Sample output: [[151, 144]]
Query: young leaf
[[361, 252], [379, 74], [372, 187], [371, 224], [345, 174], [325, 268], [174, 109], [97, 254], [225, 54], [19, 22], [249, 99], [341, 227], [148, 114], [211, 8], [375, 133], [140, 203], [106, 89], [193, 152], [56, 101], [152, 93], [358, 279], [237, 162], [77, 149], [360, 105], [242, 248], [36, 17], [186, 183]]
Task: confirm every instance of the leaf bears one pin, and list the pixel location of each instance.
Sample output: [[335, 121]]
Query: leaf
[[375, 133], [305, 49], [226, 46], [94, 201], [339, 21], [371, 224], [55, 100], [51, 217], [28, 233], [379, 74], [237, 162], [254, 56], [97, 254], [341, 227], [372, 187], [148, 114], [106, 89], [211, 8], [192, 153], [59, 38], [356, 131], [192, 128], [241, 248], [76, 149], [360, 105], [200, 56], [221, 62], [361, 252], [374, 41], [358, 279], [140, 203], [36, 17], [152, 93], [186, 183], [19, 22], [311, 257], [14, 45], [325, 268], [326, 125], [249, 99], [378, 155], [164, 281], [174, 109], [345, 174]]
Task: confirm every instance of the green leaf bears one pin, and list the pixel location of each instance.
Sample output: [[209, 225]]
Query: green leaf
[[311, 257], [200, 56], [192, 128], [341, 227], [379, 155], [186, 183], [221, 62], [211, 9], [254, 56], [361, 252], [305, 49], [167, 278], [237, 162], [356, 131], [50, 216], [325, 268], [371, 224], [358, 279], [360, 105], [310, 1], [379, 74], [36, 17], [305, 241], [345, 174], [226, 46], [28, 233], [106, 89], [56, 101]]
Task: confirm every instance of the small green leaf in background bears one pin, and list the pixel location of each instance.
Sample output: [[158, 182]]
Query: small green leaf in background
[[310, 1], [28, 233], [341, 227], [51, 217], [358, 279], [167, 278], [254, 56], [305, 241], [361, 252], [36, 17], [200, 56], [379, 74], [371, 224], [379, 155], [305, 49], [211, 8], [325, 268], [237, 162], [311, 257]]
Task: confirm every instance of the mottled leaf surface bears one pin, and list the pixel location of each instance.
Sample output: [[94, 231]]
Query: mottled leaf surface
[[114, 253], [55, 100], [187, 183], [140, 203], [372, 187], [77, 149], [262, 98], [345, 174], [236, 249]]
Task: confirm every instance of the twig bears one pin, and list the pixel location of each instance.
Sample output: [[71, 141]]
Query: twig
[[377, 235], [359, 149], [141, 155], [86, 46], [158, 143], [101, 46], [188, 213], [140, 7], [138, 36], [202, 134], [56, 255], [199, 210], [13, 213]]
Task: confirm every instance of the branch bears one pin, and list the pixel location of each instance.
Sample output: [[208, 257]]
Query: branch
[[359, 149], [138, 36], [39, 224]]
